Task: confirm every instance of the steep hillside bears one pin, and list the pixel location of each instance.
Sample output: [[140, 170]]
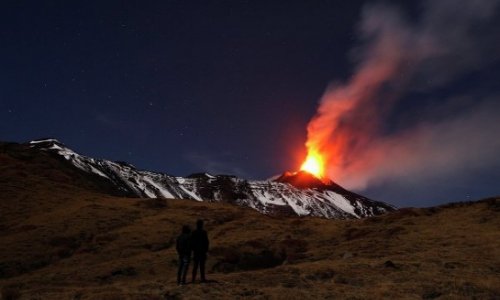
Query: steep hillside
[[63, 239]]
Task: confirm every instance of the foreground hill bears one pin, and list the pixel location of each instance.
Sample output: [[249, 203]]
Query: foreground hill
[[62, 238]]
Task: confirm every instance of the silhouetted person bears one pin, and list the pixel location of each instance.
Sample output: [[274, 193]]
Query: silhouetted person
[[183, 246], [199, 240]]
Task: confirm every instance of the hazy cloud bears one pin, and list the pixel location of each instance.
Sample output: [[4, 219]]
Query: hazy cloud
[[399, 56]]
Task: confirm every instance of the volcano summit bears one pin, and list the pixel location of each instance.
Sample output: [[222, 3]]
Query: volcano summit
[[299, 193]]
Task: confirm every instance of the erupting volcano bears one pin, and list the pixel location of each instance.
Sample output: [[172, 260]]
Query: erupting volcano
[[304, 193], [314, 164]]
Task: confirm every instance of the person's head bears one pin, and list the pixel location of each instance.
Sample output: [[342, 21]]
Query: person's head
[[186, 229], [199, 224]]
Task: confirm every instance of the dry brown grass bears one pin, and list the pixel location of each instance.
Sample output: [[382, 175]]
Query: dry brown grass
[[61, 241]]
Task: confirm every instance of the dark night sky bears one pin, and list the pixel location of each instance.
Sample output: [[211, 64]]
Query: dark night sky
[[186, 86]]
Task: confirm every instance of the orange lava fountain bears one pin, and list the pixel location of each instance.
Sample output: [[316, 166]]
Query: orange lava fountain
[[314, 164]]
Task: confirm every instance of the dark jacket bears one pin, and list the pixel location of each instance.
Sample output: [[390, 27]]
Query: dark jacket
[[183, 244], [199, 241]]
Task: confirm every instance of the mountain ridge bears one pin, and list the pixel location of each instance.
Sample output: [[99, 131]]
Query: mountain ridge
[[286, 195]]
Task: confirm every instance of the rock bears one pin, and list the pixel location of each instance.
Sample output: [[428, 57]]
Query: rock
[[390, 264]]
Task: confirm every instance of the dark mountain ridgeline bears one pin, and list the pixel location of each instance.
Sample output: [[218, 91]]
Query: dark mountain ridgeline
[[297, 193]]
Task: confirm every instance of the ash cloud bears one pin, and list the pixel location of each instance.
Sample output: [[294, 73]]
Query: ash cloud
[[398, 58]]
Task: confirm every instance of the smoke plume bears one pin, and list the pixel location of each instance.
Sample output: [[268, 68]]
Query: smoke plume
[[364, 127]]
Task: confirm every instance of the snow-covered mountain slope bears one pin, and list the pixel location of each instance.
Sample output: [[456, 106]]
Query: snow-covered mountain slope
[[290, 194]]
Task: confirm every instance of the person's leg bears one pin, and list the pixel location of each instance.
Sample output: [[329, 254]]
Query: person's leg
[[185, 269], [180, 269], [196, 261], [203, 259]]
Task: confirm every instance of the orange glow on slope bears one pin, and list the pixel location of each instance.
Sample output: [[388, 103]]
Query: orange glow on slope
[[314, 164]]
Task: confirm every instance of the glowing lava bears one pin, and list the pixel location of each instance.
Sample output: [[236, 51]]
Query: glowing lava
[[314, 164]]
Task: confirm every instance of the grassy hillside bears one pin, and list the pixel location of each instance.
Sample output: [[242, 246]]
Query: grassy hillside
[[62, 238]]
